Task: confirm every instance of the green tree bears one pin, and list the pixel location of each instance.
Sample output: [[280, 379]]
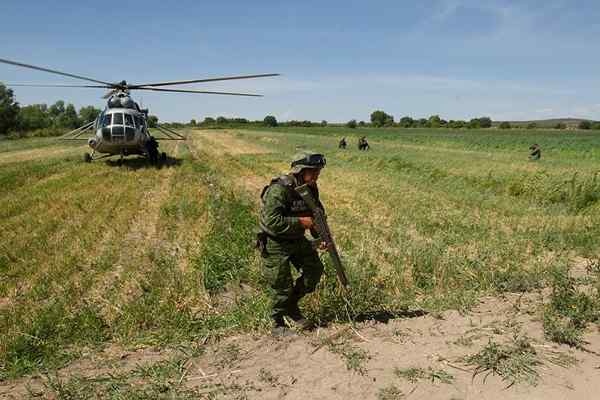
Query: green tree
[[57, 109], [504, 125], [68, 119], [435, 121], [33, 117], [209, 120], [9, 110], [531, 125], [362, 123], [423, 123], [474, 123], [585, 125], [380, 118], [152, 121], [596, 125], [485, 122], [560, 125], [270, 121], [351, 124], [88, 114], [221, 120], [193, 122], [406, 122], [323, 123], [456, 124]]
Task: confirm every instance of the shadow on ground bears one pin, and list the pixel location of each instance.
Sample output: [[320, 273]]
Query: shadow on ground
[[142, 162], [381, 316]]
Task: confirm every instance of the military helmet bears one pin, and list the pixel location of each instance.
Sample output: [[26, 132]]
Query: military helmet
[[307, 159]]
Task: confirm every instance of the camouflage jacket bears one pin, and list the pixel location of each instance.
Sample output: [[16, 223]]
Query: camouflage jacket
[[282, 207]]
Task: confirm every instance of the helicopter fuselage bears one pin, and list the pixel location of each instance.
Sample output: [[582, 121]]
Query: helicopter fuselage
[[121, 131]]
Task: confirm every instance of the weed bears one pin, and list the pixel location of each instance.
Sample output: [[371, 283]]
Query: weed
[[390, 392], [569, 310], [415, 374], [354, 356], [266, 376], [515, 362]]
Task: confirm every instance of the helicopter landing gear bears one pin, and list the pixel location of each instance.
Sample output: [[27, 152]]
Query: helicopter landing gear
[[163, 157], [87, 158]]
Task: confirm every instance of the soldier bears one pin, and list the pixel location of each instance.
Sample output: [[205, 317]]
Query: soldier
[[152, 150], [284, 220], [535, 152], [363, 144], [343, 143]]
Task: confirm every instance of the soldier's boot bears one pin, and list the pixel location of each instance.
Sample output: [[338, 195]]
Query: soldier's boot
[[294, 311], [281, 329]]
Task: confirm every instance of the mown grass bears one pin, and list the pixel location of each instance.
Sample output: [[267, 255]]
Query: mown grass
[[96, 254]]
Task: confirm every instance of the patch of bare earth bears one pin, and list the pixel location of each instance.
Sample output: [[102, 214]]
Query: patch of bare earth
[[359, 362]]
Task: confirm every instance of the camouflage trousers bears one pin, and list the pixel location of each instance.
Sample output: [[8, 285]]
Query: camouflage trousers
[[280, 257]]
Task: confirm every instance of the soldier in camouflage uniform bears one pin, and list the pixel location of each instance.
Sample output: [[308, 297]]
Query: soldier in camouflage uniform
[[535, 152], [284, 219]]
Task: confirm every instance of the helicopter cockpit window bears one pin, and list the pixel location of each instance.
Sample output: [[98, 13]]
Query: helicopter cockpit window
[[107, 120], [118, 119], [128, 120], [139, 122]]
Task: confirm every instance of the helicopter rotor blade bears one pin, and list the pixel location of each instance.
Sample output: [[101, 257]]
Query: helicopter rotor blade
[[226, 78], [58, 85], [52, 71], [195, 91]]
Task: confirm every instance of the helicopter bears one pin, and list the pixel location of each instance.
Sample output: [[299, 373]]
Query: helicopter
[[121, 129]]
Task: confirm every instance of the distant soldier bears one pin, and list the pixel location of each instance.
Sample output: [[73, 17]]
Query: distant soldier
[[152, 150], [343, 143], [535, 152], [283, 220], [363, 144]]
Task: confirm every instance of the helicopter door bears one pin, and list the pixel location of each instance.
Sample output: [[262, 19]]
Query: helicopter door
[[118, 131]]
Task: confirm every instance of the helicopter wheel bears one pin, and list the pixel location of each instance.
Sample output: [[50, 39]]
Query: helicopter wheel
[[87, 158]]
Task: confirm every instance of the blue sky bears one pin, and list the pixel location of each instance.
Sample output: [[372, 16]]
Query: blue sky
[[340, 60]]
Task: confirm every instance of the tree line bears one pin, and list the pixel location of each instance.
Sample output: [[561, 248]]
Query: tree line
[[42, 119]]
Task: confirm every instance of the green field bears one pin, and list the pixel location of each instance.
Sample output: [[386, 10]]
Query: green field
[[98, 254]]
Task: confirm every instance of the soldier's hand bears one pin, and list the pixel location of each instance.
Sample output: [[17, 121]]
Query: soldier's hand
[[324, 246], [306, 222]]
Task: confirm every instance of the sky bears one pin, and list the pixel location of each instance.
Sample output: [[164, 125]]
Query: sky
[[339, 60]]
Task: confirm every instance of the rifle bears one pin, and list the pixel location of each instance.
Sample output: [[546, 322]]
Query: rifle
[[322, 228]]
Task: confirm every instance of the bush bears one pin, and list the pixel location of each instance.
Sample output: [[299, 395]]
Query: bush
[[585, 125], [485, 122], [270, 121], [351, 124], [505, 125]]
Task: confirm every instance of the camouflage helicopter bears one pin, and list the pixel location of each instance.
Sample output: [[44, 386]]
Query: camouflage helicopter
[[121, 129]]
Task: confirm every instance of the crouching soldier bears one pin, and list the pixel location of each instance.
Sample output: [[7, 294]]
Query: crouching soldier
[[284, 219], [535, 152]]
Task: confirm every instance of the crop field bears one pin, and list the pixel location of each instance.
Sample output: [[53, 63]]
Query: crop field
[[472, 268]]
